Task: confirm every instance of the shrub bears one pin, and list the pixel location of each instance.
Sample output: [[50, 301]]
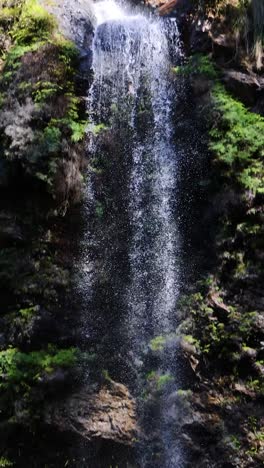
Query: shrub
[[198, 64], [157, 343], [35, 24], [237, 139], [19, 371]]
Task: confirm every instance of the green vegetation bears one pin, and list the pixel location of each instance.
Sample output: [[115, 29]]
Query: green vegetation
[[198, 64], [4, 462], [213, 336], [158, 343], [160, 381], [19, 371], [37, 90], [35, 24], [237, 139], [237, 135], [245, 18]]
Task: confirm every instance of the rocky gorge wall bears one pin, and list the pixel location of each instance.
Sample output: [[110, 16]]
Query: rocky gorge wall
[[223, 312], [45, 63]]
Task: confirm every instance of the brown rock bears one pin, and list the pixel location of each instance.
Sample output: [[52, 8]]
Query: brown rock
[[106, 414], [168, 7]]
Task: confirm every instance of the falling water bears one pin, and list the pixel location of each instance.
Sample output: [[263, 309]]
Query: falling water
[[132, 100]]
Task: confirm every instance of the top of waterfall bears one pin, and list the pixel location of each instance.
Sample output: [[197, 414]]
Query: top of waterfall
[[107, 10]]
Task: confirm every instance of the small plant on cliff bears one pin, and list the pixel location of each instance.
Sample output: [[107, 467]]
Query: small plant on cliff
[[158, 343], [160, 381]]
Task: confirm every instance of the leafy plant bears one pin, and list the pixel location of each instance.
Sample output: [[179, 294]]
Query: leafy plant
[[160, 380], [237, 139], [198, 64], [4, 462], [19, 371]]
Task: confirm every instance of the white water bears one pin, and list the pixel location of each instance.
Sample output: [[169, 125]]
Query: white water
[[108, 10], [132, 94]]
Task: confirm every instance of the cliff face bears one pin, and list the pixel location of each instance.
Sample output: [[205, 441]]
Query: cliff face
[[44, 80], [223, 313], [44, 65]]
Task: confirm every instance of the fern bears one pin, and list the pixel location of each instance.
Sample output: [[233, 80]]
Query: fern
[[237, 139]]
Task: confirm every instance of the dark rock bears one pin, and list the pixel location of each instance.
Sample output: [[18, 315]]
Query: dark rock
[[218, 306], [10, 231], [3, 175], [248, 87]]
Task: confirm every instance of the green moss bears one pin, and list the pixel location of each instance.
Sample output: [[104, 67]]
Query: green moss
[[28, 313], [106, 375], [160, 380], [158, 343], [99, 210]]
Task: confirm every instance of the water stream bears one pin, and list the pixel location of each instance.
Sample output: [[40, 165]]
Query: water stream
[[131, 257]]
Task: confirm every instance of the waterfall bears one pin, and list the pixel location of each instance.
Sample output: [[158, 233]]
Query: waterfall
[[130, 107], [131, 68]]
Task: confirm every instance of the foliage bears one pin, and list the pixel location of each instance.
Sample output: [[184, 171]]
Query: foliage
[[19, 371], [4, 462], [35, 24], [215, 337], [40, 114], [157, 344], [245, 18], [28, 313], [198, 64], [45, 90], [237, 139], [160, 381]]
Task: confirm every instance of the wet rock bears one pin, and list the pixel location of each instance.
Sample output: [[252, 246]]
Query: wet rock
[[10, 231], [107, 413], [201, 85]]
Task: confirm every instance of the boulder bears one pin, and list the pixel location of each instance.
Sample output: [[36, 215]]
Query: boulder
[[248, 87], [97, 414], [75, 18]]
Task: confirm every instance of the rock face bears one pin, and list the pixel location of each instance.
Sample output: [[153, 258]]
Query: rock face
[[106, 414], [76, 21]]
